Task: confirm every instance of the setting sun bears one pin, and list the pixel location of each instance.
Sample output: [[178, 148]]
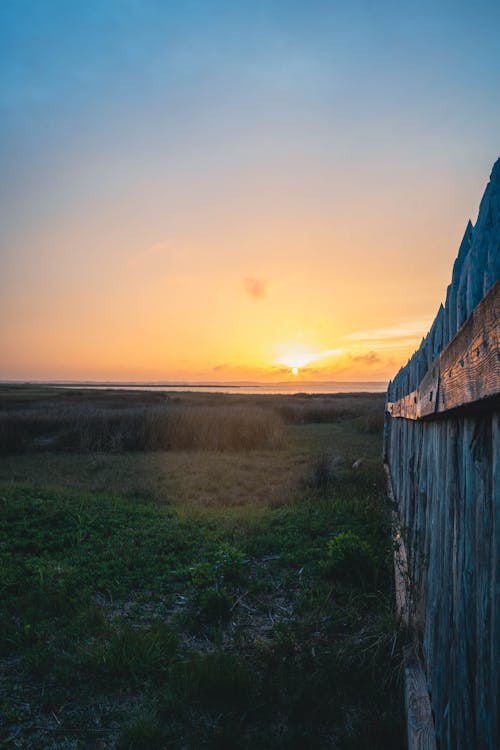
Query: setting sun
[[296, 358], [234, 324], [217, 210]]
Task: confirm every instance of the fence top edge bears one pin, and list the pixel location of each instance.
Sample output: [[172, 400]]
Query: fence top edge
[[412, 403]]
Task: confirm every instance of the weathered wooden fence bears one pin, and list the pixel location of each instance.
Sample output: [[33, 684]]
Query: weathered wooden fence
[[442, 449]]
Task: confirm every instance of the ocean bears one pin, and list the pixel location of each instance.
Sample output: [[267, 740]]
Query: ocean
[[289, 387]]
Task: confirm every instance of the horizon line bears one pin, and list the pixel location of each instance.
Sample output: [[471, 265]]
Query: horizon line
[[180, 384]]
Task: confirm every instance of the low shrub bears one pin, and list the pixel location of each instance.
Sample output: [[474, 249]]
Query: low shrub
[[350, 559], [214, 605], [213, 582], [323, 477], [130, 652]]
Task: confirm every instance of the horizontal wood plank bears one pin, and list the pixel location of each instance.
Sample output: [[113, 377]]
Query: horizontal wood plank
[[466, 371]]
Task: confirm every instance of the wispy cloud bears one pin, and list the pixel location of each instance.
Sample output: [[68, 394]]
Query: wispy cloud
[[396, 335], [256, 288], [370, 358]]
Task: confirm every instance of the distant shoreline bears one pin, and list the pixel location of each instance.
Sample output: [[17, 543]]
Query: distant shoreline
[[242, 387], [156, 384]]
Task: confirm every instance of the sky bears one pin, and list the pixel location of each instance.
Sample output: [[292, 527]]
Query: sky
[[227, 191]]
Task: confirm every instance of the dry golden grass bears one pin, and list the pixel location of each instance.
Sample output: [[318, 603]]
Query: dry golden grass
[[169, 427], [216, 450], [202, 479]]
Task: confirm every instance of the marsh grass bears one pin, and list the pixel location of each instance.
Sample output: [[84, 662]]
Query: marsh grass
[[167, 428], [128, 622], [364, 409], [107, 421], [250, 479]]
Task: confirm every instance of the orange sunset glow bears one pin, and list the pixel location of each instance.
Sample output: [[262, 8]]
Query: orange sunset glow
[[222, 200], [249, 381]]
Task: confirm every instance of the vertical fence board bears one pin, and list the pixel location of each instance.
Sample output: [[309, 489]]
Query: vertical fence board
[[445, 472]]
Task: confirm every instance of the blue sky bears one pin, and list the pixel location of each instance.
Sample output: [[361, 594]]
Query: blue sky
[[403, 75], [141, 121]]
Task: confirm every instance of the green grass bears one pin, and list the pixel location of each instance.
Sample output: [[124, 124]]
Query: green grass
[[206, 479], [130, 623], [122, 594]]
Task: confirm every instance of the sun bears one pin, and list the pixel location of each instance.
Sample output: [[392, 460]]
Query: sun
[[295, 370]]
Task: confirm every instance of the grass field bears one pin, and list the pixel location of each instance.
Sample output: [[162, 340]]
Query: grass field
[[237, 597]]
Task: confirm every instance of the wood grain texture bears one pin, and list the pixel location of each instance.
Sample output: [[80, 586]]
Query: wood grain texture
[[401, 577], [475, 272], [442, 446], [466, 371], [470, 365], [420, 726], [446, 478], [419, 720]]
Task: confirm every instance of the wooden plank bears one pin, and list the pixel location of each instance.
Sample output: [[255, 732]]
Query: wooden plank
[[404, 407], [428, 392], [470, 364], [466, 371], [445, 475], [401, 580], [420, 726], [419, 721]]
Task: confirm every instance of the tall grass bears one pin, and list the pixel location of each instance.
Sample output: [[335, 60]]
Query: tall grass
[[170, 427], [307, 409], [86, 420]]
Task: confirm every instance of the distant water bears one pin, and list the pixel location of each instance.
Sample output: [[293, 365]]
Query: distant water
[[242, 388]]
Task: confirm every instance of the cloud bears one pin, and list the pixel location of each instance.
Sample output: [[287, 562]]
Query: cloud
[[396, 335], [371, 358], [256, 288]]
